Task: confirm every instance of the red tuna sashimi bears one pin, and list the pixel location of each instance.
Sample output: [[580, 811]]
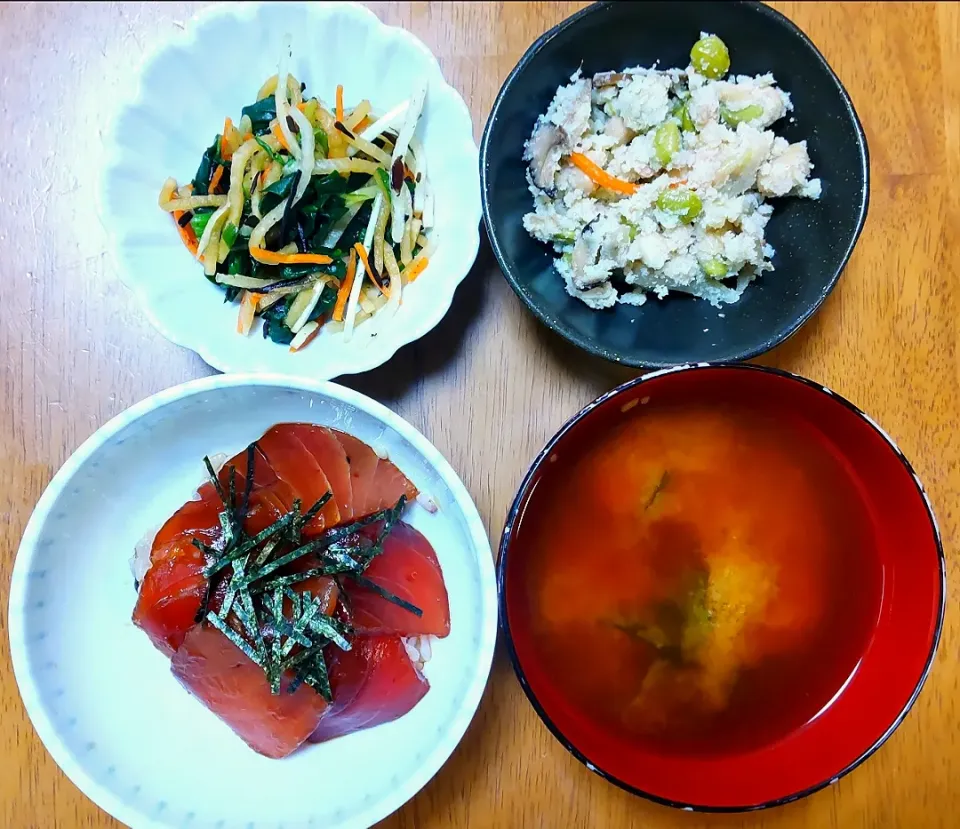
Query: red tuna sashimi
[[377, 483], [362, 461], [409, 569], [173, 588], [195, 519], [234, 688], [389, 483], [264, 477], [373, 683], [170, 594], [331, 457], [294, 465]]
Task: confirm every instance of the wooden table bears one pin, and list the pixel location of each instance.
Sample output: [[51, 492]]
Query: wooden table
[[489, 385]]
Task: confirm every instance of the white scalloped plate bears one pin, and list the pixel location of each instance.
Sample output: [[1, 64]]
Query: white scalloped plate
[[212, 70], [103, 700]]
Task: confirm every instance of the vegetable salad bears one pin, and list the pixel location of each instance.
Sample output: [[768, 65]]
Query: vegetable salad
[[309, 216]]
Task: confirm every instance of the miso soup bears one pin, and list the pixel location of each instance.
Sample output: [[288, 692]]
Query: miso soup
[[702, 579]]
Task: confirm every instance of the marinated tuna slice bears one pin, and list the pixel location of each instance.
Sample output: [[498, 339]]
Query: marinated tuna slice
[[173, 588], [195, 519], [389, 483], [297, 467], [362, 461], [373, 683], [407, 568], [234, 688], [331, 457], [377, 483], [171, 593]]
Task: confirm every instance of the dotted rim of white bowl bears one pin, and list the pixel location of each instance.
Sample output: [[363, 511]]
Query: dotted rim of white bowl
[[19, 648]]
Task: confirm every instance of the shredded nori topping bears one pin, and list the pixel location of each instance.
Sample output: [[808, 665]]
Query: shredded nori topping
[[281, 630]]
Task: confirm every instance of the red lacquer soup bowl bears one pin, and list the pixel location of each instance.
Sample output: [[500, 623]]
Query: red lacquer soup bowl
[[877, 638]]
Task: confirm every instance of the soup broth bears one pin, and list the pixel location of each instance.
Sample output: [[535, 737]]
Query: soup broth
[[703, 579]]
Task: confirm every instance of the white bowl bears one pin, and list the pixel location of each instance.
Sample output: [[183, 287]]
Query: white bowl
[[212, 70], [103, 699]]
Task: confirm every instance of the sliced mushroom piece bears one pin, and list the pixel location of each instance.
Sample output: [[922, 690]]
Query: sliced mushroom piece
[[604, 79], [586, 251], [543, 151], [574, 116]]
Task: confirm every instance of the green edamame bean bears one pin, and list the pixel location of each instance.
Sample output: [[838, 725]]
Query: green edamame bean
[[715, 268], [732, 117], [666, 141], [709, 56], [685, 203]]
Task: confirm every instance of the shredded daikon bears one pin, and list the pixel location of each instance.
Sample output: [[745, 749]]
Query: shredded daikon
[[353, 301], [382, 124], [282, 104]]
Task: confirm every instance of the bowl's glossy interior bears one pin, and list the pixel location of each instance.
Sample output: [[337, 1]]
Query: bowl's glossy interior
[[813, 239], [894, 662]]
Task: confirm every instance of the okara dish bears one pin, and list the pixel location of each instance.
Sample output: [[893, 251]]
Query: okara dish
[[307, 215], [647, 181], [295, 623]]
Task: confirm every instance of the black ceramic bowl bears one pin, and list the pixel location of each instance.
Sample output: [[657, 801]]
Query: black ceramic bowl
[[813, 239]]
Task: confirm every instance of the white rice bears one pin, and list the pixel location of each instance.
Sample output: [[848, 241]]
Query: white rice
[[419, 649], [622, 248]]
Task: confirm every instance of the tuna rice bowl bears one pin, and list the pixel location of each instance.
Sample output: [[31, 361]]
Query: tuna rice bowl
[[647, 181]]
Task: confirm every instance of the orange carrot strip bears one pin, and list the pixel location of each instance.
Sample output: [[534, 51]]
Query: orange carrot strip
[[247, 136], [340, 103], [217, 175], [186, 233], [279, 135], [362, 252], [599, 176], [302, 107], [346, 286], [269, 257], [416, 269], [366, 122], [227, 129]]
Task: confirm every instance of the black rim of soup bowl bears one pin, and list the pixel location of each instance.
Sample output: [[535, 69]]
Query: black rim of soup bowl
[[555, 323], [522, 494]]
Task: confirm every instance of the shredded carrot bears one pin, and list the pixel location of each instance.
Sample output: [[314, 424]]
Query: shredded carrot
[[366, 122], [340, 103], [224, 140], [599, 176], [309, 339], [302, 106], [186, 233], [408, 174], [217, 175], [675, 184], [279, 135], [346, 286], [362, 251], [416, 269], [247, 136], [269, 257]]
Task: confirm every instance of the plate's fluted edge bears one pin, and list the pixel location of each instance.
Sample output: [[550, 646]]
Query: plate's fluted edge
[[360, 360]]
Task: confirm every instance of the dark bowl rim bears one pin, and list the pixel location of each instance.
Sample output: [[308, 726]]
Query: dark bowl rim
[[587, 343], [507, 535]]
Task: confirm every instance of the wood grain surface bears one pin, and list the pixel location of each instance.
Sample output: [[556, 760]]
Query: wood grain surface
[[489, 385]]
